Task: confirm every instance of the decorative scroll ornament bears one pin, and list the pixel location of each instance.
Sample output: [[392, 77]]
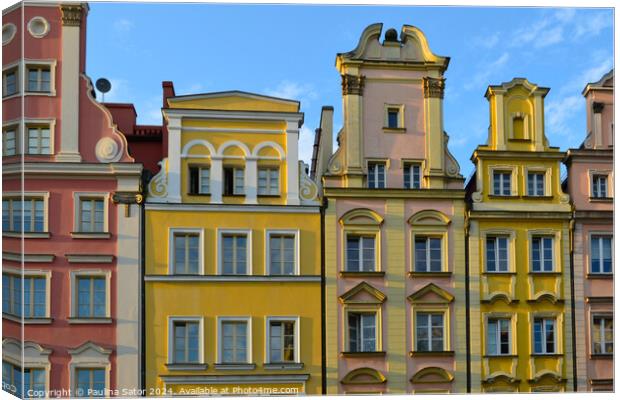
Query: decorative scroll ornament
[[433, 87], [335, 164], [127, 198], [71, 14], [587, 143], [352, 84], [158, 186], [564, 198], [451, 165], [476, 197], [308, 189], [597, 107], [108, 150]]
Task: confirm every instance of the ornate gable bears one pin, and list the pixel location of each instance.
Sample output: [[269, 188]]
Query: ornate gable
[[431, 294], [363, 293]]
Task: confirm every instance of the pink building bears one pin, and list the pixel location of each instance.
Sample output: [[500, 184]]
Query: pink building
[[591, 187], [70, 214], [394, 224]]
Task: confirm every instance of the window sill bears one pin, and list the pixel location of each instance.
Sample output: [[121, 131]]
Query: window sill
[[39, 94], [534, 301], [602, 199], [11, 96], [600, 276], [234, 195], [438, 274], [536, 197], [187, 367], [499, 273], [283, 366], [387, 129], [550, 355], [91, 235], [235, 367], [272, 196], [32, 321], [361, 354], [500, 355], [606, 356], [199, 194], [27, 235], [502, 196], [446, 353], [545, 273], [362, 274], [78, 320]]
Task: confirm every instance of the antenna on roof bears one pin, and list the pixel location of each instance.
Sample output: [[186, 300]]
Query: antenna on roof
[[104, 86]]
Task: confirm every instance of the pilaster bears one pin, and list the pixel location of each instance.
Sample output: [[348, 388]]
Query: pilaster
[[352, 97], [433, 120], [597, 114], [174, 159], [251, 180], [216, 179], [292, 166], [332, 325]]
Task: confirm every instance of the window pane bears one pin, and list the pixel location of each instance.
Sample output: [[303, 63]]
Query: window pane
[[420, 254]]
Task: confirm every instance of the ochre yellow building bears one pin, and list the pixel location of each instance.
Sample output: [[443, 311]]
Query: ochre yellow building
[[233, 244], [519, 267]]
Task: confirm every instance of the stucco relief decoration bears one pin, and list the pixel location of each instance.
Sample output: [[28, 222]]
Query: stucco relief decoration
[[434, 87], [107, 150], [158, 186], [71, 14], [335, 164], [451, 165], [308, 189], [587, 143], [476, 197], [352, 84]]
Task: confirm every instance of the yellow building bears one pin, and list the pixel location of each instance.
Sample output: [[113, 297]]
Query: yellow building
[[519, 268], [233, 244]]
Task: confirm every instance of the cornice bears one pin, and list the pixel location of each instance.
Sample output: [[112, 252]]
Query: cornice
[[236, 208], [517, 155], [456, 194], [232, 114], [65, 168], [514, 214]]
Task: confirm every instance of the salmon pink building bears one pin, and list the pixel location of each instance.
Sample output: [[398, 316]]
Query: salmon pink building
[[70, 217], [591, 187]]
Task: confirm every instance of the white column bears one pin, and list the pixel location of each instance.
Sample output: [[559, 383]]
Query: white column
[[174, 159], [251, 180], [598, 129], [292, 167], [216, 179], [70, 84]]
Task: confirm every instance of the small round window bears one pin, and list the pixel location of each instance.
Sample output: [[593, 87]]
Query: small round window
[[8, 32], [38, 27]]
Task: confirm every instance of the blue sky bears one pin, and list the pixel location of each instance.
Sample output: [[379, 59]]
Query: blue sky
[[289, 51]]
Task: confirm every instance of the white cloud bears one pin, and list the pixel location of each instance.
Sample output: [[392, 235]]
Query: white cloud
[[486, 71], [549, 37], [486, 41], [293, 91], [593, 25], [119, 92], [306, 142], [559, 112], [123, 25]]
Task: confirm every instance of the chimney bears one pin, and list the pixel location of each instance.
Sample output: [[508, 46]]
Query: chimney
[[325, 142], [167, 92]]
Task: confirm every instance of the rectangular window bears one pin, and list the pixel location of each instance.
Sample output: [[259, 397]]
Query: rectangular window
[[268, 181], [234, 181], [234, 254], [186, 342], [33, 216], [234, 344], [90, 382], [536, 184], [281, 254], [393, 117], [412, 176], [427, 254], [498, 336], [186, 257], [599, 186], [281, 341], [600, 254], [91, 297], [9, 82], [501, 183], [497, 254], [91, 215], [602, 335], [11, 295], [544, 336], [542, 254], [376, 175], [199, 180], [39, 140], [38, 79], [34, 297], [9, 141], [429, 332], [360, 253], [33, 380], [362, 331]]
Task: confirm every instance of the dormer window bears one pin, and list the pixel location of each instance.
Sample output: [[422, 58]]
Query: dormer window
[[501, 183], [393, 118]]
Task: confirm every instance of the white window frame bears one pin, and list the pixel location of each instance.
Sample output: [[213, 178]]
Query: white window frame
[[15, 66], [444, 325], [33, 273], [596, 190], [541, 250], [77, 197], [400, 117], [497, 351], [606, 317], [556, 343], [51, 64], [600, 235], [546, 177], [220, 248], [378, 327], [89, 360], [297, 341], [90, 273], [408, 167], [171, 321], [194, 231], [269, 182], [442, 249], [45, 196], [200, 173], [502, 174], [509, 241], [220, 337], [359, 264], [6, 129], [27, 355], [290, 232], [376, 173]]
